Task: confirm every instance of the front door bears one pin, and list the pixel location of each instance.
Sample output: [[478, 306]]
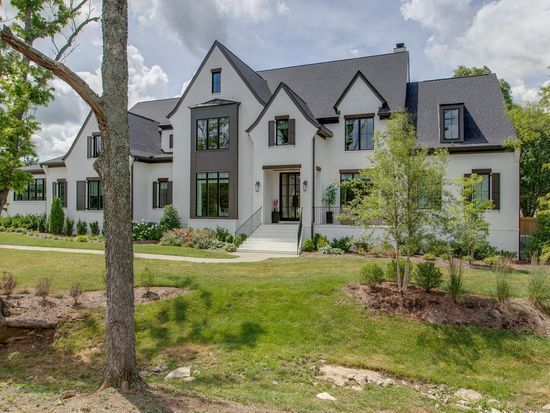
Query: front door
[[289, 196]]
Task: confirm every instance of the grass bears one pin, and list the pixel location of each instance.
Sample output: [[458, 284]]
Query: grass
[[9, 238], [253, 331]]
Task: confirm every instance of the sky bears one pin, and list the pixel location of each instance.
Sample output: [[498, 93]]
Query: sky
[[169, 38]]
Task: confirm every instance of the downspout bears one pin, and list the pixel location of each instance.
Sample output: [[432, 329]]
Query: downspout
[[132, 160], [313, 189]]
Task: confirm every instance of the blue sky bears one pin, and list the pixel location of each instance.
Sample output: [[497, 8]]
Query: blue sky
[[168, 39]]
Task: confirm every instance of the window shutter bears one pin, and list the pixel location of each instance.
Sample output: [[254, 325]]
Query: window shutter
[[495, 190], [155, 196], [171, 141], [271, 133], [80, 195], [54, 189], [467, 176], [66, 190], [292, 131], [89, 147], [169, 193]]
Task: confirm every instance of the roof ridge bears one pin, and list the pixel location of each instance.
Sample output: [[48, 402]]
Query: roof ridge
[[238, 58], [141, 116], [154, 100], [331, 61], [453, 77]]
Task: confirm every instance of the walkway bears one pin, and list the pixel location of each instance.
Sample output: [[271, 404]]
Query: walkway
[[244, 257]]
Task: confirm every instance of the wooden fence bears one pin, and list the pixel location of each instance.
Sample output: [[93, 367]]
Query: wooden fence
[[527, 225]]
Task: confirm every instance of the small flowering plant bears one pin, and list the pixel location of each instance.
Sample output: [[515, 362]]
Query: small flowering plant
[[275, 205]]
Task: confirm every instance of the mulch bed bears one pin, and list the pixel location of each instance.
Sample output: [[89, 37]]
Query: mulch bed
[[438, 307]]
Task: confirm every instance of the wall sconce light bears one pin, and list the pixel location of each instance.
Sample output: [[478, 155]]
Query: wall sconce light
[[304, 185], [257, 186]]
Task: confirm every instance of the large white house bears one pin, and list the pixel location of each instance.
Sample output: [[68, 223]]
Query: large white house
[[240, 141]]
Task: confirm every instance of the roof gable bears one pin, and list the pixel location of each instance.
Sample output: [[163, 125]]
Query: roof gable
[[255, 83], [300, 104], [359, 76]]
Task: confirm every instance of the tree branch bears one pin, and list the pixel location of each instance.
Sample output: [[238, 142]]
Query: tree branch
[[61, 71], [73, 36]]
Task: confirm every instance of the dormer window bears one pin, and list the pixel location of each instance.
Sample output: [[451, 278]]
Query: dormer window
[[216, 80], [451, 121], [94, 146]]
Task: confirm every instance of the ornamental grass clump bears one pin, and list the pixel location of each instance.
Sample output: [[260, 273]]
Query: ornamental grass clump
[[75, 292], [455, 283], [539, 290], [43, 288], [8, 284]]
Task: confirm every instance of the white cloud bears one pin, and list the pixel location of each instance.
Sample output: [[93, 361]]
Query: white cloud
[[63, 117], [509, 36]]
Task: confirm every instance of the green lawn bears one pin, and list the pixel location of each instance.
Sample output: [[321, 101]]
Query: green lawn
[[254, 330], [9, 238]]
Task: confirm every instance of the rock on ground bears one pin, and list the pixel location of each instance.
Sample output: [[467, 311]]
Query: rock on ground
[[326, 396], [180, 373], [468, 395]]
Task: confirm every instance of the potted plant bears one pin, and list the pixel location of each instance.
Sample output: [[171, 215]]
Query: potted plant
[[329, 199], [275, 216]]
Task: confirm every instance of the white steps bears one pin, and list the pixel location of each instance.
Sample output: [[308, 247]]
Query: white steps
[[272, 238]]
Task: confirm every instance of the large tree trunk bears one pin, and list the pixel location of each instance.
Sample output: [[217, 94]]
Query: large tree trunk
[[114, 169], [3, 199]]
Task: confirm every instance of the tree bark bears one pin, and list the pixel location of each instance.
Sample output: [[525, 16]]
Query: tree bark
[[3, 199]]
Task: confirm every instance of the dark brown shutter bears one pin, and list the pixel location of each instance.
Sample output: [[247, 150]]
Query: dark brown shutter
[[169, 194], [66, 189], [495, 190], [171, 141], [80, 195], [155, 192], [292, 131], [271, 133], [89, 147]]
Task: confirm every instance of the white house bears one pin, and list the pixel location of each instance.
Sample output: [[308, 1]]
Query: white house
[[240, 141]]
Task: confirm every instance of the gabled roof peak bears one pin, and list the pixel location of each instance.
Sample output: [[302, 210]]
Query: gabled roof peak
[[360, 75]]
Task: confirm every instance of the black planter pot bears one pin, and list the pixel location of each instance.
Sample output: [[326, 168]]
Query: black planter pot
[[328, 217], [275, 217]]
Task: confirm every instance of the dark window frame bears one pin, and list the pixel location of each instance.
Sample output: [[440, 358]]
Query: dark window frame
[[99, 195], [26, 194], [442, 110], [356, 120], [216, 81], [207, 136], [171, 141], [479, 188], [205, 212], [344, 192], [163, 187], [283, 119]]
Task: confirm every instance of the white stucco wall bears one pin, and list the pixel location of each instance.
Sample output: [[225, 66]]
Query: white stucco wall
[[144, 174], [27, 207], [232, 88]]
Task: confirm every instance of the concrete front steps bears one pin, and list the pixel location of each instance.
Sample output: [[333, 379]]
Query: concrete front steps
[[272, 238]]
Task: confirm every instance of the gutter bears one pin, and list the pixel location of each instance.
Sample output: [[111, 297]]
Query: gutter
[[313, 188]]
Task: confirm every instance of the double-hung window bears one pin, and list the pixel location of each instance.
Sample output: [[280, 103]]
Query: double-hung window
[[94, 146], [281, 130], [482, 191], [60, 191], [163, 194], [95, 195], [35, 191], [212, 133], [359, 133], [212, 194], [451, 123], [347, 193], [216, 80]]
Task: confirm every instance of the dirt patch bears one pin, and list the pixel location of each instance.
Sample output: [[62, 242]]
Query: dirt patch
[[27, 311], [438, 307], [156, 399]]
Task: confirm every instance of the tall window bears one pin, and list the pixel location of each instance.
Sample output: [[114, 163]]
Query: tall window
[[163, 194], [482, 191], [95, 195], [35, 191], [94, 146], [171, 141], [216, 80], [359, 134], [452, 123], [60, 191], [213, 194], [212, 133], [281, 130]]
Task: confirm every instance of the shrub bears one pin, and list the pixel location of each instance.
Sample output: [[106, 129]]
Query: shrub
[[545, 255], [170, 218], [42, 223], [229, 247], [391, 269], [69, 226], [81, 227], [216, 244], [484, 250], [320, 241], [428, 275], [202, 238], [540, 237], [343, 243], [229, 239], [328, 250], [147, 279], [539, 290], [435, 247], [429, 257], [172, 239], [145, 231], [75, 292], [42, 288], [57, 217], [491, 260], [455, 284], [373, 274], [239, 239], [81, 238], [221, 233], [308, 245], [94, 228], [8, 283]]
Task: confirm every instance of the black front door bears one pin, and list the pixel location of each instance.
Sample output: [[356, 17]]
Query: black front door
[[289, 196]]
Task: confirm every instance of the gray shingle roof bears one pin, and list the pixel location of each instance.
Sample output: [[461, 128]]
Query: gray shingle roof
[[57, 161], [321, 84], [144, 136], [485, 120], [33, 169], [156, 110]]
